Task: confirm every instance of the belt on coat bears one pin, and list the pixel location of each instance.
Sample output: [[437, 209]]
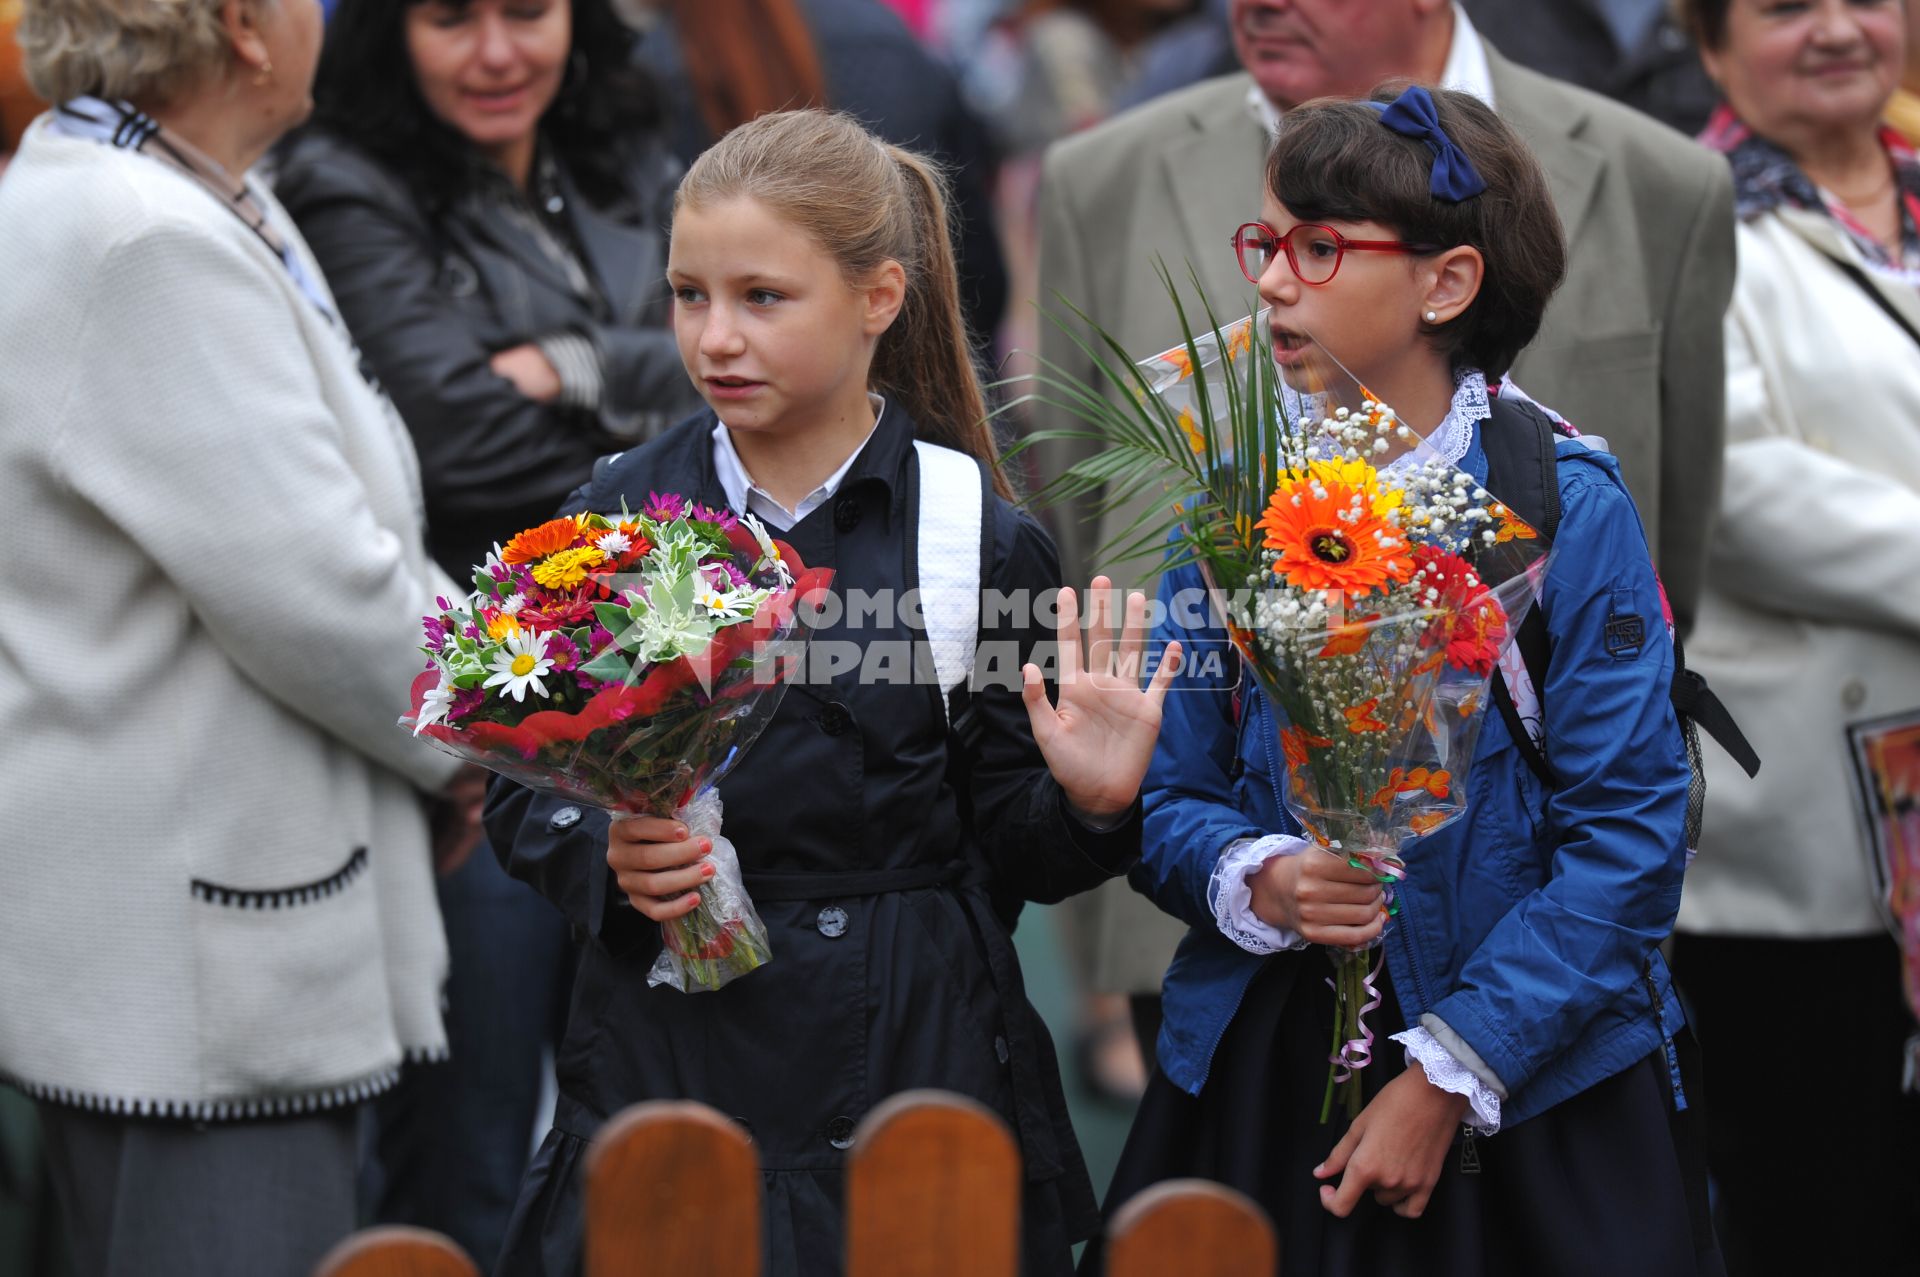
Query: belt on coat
[[1033, 1099]]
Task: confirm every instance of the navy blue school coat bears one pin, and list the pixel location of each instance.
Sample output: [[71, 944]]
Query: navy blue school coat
[[892, 966]]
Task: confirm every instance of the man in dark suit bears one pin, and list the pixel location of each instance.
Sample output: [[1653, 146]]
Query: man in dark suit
[[1631, 348]]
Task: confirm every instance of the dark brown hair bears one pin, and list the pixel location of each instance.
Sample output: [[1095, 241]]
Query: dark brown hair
[[1335, 161], [1704, 20], [747, 57], [866, 203]]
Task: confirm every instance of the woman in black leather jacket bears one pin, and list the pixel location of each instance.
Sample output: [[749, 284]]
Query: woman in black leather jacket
[[485, 189]]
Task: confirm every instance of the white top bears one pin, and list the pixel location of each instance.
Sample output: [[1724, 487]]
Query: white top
[[744, 496], [1466, 71]]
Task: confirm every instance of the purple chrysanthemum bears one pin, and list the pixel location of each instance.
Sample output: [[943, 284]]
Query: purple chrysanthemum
[[465, 702], [722, 517], [664, 508], [436, 630], [563, 651]]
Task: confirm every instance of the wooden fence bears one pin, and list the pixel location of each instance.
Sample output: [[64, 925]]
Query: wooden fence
[[933, 1190]]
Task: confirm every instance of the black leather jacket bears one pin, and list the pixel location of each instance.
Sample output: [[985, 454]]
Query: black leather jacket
[[431, 295]]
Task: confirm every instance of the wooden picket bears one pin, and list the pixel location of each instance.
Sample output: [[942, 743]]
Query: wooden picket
[[393, 1251], [672, 1187], [1192, 1227], [933, 1190]]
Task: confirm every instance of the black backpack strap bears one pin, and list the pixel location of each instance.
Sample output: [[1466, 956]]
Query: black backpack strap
[[1523, 474], [1694, 700]]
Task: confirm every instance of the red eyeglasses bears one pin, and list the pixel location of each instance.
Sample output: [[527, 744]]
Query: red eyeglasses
[[1314, 252]]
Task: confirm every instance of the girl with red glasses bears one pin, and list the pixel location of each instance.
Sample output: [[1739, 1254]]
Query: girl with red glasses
[[1530, 1114]]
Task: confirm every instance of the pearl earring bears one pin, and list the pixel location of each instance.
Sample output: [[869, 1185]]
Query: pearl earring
[[1433, 317]]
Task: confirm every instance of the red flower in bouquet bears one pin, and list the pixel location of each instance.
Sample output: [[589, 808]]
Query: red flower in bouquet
[[1475, 628]]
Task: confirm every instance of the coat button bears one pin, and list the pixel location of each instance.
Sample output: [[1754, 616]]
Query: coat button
[[846, 514], [840, 1133], [565, 818], [832, 922], [1853, 694], [835, 719], [746, 1127], [1001, 1049]]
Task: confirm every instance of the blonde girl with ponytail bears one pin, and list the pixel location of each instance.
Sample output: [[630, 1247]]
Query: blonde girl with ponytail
[[888, 832]]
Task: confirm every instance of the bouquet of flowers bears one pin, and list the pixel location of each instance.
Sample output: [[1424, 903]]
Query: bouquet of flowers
[[627, 662], [1369, 586]]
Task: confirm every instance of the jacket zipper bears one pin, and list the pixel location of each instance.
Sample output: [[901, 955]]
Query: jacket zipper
[[1660, 1027]]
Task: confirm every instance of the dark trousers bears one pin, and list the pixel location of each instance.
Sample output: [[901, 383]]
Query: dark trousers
[[452, 1141], [1813, 1147], [146, 1198]]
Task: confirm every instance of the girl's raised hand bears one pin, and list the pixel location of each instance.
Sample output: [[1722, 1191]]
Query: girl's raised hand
[[1099, 739]]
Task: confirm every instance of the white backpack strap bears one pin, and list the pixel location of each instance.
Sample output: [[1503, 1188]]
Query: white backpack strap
[[948, 548]]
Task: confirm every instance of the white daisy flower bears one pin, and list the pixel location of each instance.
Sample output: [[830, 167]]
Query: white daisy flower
[[519, 665], [434, 706], [513, 603], [769, 552]]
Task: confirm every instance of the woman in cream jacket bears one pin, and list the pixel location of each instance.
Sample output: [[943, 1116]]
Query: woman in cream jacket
[[218, 907], [1810, 627]]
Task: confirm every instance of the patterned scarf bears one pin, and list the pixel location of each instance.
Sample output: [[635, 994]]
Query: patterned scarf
[[1766, 177], [125, 127]]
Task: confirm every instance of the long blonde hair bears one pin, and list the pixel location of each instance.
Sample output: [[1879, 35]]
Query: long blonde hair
[[866, 202]]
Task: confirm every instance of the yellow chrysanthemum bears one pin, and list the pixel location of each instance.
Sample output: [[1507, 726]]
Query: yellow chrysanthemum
[[502, 625], [568, 568], [1361, 477]]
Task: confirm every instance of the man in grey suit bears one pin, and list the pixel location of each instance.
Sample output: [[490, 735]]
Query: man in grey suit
[[1630, 348]]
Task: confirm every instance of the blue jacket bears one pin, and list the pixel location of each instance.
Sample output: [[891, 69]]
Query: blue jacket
[[1528, 928]]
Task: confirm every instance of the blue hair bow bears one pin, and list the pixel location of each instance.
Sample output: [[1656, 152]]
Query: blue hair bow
[[1413, 114]]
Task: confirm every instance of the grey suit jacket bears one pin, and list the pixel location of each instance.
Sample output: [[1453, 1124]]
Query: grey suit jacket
[[1630, 349]]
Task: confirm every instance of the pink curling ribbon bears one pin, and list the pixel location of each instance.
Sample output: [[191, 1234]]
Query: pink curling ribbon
[[1356, 1053]]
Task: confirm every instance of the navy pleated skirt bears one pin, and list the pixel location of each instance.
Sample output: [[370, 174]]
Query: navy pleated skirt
[[1608, 1183]]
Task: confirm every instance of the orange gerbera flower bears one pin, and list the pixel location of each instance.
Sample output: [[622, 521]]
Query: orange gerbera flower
[[1361, 717], [1329, 537], [537, 543], [1345, 640], [1294, 742]]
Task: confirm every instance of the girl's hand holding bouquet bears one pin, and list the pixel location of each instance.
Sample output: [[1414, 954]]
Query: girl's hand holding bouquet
[[1321, 899]]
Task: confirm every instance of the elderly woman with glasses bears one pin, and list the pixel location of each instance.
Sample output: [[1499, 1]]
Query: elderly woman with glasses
[[218, 935], [1810, 632]]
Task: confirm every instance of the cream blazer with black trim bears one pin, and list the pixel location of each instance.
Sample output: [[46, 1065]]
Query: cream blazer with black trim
[[1811, 620], [218, 892]]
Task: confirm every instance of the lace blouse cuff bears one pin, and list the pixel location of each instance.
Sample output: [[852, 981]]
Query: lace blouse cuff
[[1232, 898], [1450, 1075]]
